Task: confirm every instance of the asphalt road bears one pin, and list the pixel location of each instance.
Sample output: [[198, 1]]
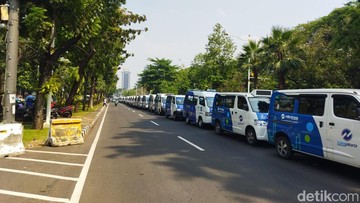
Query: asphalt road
[[141, 157], [135, 156]]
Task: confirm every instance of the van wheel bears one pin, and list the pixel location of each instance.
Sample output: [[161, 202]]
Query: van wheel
[[283, 147], [200, 123], [187, 120], [251, 136], [218, 129]]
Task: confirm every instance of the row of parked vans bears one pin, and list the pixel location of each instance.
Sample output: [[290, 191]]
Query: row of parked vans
[[319, 122]]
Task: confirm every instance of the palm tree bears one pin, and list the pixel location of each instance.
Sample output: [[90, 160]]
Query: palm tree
[[251, 56], [279, 56]]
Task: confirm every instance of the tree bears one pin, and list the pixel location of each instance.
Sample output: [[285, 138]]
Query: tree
[[251, 59], [217, 64], [279, 58], [53, 35], [157, 75]]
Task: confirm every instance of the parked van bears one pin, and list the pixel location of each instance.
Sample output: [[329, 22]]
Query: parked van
[[151, 103], [145, 102], [319, 122], [198, 107], [160, 100], [242, 113], [174, 106]]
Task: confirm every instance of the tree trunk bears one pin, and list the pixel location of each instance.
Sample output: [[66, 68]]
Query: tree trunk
[[45, 75], [82, 65], [84, 95], [255, 78], [91, 99], [282, 80]]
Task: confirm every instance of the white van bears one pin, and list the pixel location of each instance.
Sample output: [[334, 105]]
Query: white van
[[198, 107], [242, 113], [160, 100], [174, 106], [319, 122], [151, 103]]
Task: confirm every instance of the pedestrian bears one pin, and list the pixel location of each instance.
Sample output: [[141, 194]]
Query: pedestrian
[[105, 104]]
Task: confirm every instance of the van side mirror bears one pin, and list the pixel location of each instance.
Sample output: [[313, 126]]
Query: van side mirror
[[246, 107], [357, 114]]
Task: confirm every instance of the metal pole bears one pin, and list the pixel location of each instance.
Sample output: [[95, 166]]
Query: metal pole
[[12, 43], [248, 83]]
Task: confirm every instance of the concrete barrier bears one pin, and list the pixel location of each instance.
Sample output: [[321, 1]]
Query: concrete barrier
[[11, 140], [65, 132]]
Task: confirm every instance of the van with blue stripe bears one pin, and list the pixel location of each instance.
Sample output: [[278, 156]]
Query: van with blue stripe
[[319, 122], [174, 106], [198, 107], [242, 113]]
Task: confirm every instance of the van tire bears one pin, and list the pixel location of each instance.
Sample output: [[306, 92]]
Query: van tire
[[187, 119], [251, 136], [283, 147], [200, 123], [218, 129]]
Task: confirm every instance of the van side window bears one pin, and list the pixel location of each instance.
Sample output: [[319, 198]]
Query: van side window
[[312, 104], [219, 100], [242, 104], [202, 101], [346, 107], [229, 101], [284, 103]]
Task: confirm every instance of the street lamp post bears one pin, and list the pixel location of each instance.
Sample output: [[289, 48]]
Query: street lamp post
[[249, 71]]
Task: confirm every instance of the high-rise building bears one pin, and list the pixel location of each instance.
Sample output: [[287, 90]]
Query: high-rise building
[[125, 80]]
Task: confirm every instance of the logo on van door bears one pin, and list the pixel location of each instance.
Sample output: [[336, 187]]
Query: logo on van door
[[346, 134]]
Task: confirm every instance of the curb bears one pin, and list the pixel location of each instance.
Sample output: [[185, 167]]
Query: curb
[[87, 129]]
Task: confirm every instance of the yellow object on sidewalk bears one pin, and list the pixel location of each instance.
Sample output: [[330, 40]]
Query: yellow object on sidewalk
[[65, 132]]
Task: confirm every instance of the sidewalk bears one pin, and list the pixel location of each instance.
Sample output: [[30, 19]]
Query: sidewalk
[[87, 121]]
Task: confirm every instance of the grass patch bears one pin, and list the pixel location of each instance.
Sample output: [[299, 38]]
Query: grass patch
[[32, 137]]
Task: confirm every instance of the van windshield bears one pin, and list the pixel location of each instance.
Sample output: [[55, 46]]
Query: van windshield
[[209, 101], [259, 104]]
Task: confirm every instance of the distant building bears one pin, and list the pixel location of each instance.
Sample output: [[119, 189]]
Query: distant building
[[125, 76]]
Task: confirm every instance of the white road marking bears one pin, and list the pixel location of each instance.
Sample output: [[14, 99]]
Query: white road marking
[[190, 143], [33, 196], [45, 161], [60, 153], [38, 174], [154, 123], [133, 111], [141, 115], [75, 197]]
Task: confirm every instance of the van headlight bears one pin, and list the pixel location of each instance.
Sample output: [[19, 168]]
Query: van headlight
[[260, 122], [207, 113]]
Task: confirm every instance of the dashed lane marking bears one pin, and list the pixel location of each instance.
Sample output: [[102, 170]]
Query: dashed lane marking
[[190, 143], [154, 123]]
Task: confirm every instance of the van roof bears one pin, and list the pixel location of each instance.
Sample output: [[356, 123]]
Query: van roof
[[201, 93], [254, 93], [324, 90]]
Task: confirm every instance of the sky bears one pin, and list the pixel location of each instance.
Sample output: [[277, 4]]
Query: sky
[[178, 29]]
